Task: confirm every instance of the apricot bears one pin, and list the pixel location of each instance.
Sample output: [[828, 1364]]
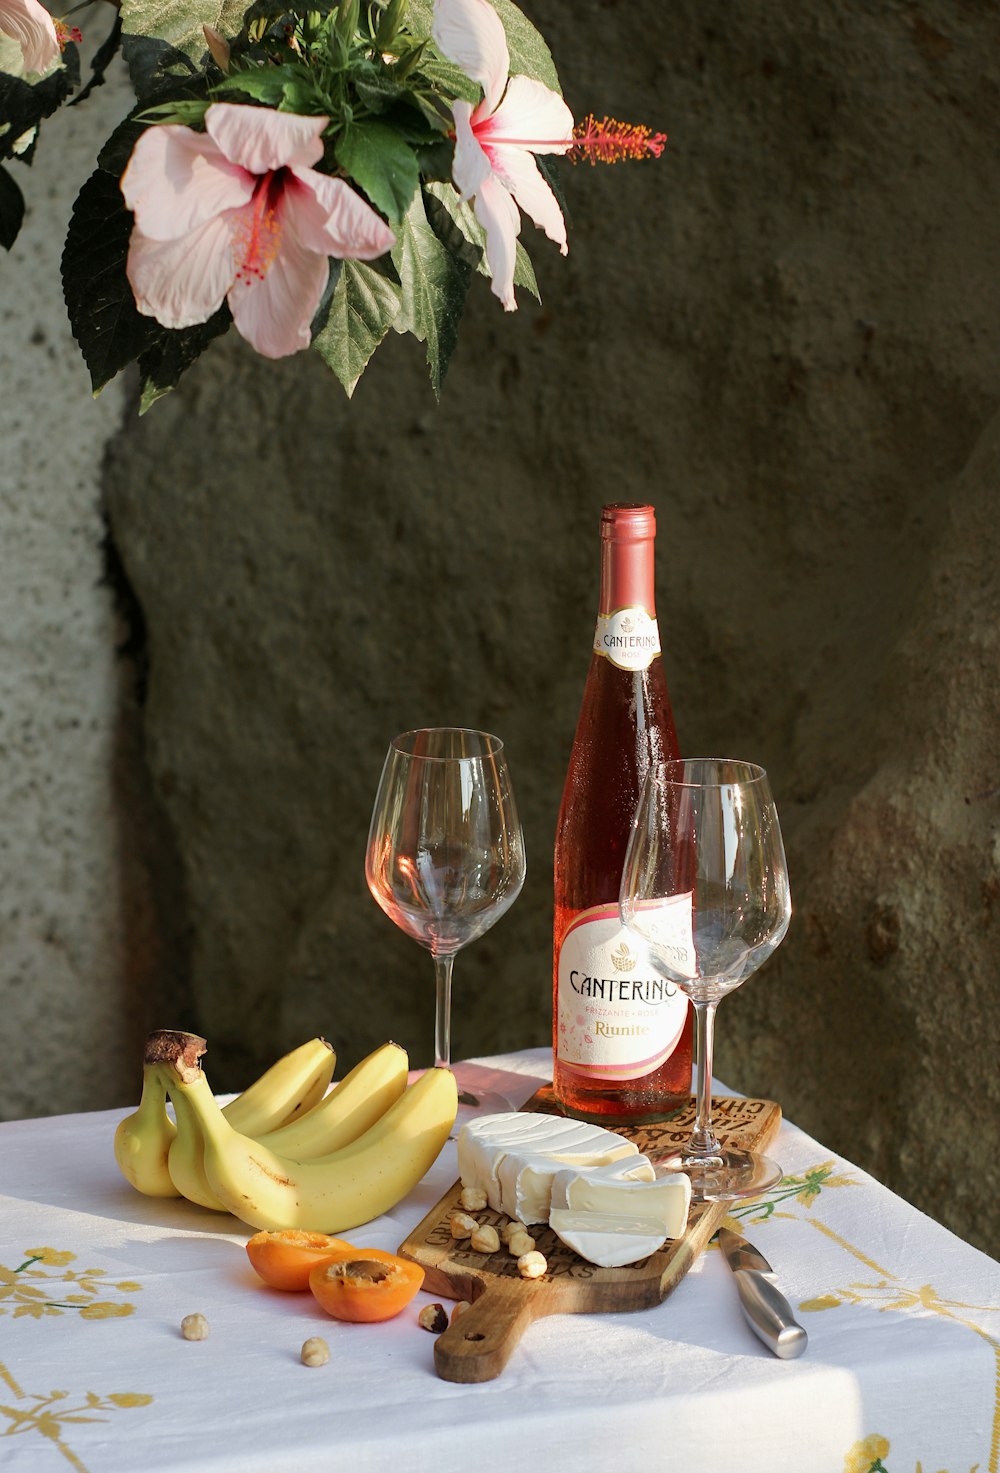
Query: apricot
[[365, 1284], [285, 1259]]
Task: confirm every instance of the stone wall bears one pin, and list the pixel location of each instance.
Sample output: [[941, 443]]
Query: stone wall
[[75, 935], [783, 334]]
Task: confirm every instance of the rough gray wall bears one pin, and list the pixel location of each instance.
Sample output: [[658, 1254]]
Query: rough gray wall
[[783, 334], [75, 937]]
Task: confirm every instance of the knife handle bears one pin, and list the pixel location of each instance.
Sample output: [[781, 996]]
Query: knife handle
[[769, 1315]]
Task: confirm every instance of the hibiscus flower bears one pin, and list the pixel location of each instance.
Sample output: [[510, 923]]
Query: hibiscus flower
[[31, 26], [237, 213], [495, 140]]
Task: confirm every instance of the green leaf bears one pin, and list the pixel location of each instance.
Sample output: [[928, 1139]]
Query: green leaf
[[11, 210], [449, 78], [434, 285], [188, 111], [161, 365], [272, 10], [102, 311], [449, 214], [154, 65], [23, 104], [377, 89], [264, 84], [442, 204], [117, 150], [364, 306], [381, 163], [106, 323], [529, 55], [179, 22], [389, 22]]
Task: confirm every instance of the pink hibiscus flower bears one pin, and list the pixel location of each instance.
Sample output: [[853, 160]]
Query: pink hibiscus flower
[[31, 26], [237, 213], [495, 140]]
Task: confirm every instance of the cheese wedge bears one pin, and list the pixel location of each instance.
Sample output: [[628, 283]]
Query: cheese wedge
[[612, 1217], [513, 1157]]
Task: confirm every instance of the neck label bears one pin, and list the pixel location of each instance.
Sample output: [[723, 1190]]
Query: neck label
[[629, 638]]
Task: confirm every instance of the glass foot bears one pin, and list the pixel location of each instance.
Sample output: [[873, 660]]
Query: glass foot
[[725, 1176]]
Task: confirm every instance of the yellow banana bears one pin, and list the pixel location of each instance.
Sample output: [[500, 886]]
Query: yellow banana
[[330, 1193], [285, 1091], [143, 1140], [352, 1106], [186, 1159], [361, 1098]]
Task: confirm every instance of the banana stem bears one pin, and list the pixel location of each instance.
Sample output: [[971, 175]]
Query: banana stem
[[181, 1052]]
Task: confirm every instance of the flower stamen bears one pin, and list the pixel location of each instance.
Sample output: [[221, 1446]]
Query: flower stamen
[[258, 235], [611, 142], [65, 34]]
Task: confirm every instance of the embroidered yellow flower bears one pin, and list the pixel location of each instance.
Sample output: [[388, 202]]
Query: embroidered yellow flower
[[54, 1257], [35, 1308], [129, 1398], [863, 1454], [814, 1180], [822, 1301], [102, 1310]]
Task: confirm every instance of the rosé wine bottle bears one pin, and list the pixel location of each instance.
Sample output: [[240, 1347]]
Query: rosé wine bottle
[[621, 1032]]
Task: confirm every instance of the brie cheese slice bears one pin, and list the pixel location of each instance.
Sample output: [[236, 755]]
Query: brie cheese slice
[[611, 1217], [514, 1157]]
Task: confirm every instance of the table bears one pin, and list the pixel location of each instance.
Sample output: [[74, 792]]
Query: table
[[902, 1372]]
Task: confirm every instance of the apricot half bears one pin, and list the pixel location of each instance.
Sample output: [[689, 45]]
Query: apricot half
[[365, 1284], [285, 1259]]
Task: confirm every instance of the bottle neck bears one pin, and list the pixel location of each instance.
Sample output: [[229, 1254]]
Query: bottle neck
[[627, 575]]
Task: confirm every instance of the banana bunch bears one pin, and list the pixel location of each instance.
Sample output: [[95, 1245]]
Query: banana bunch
[[286, 1093], [352, 1107], [350, 1158]]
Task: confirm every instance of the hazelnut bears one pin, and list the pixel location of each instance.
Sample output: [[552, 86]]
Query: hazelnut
[[520, 1243], [473, 1199], [485, 1239], [510, 1228], [462, 1226], [531, 1265], [194, 1327], [432, 1317], [315, 1351]]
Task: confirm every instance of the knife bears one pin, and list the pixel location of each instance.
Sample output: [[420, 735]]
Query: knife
[[765, 1308]]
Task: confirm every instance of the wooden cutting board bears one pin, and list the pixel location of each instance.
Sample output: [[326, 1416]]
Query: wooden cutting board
[[479, 1344]]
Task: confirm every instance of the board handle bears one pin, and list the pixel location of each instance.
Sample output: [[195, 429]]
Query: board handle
[[478, 1343]]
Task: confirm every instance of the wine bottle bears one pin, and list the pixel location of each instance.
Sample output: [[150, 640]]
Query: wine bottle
[[621, 1031]]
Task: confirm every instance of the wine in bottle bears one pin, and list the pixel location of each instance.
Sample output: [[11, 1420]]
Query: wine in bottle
[[621, 1031]]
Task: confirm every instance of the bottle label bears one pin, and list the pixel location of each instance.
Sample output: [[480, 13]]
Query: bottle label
[[618, 1016], [629, 638]]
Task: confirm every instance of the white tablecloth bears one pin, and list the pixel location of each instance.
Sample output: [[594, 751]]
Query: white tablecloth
[[902, 1372]]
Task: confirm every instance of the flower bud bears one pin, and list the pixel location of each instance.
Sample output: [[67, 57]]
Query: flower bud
[[218, 46]]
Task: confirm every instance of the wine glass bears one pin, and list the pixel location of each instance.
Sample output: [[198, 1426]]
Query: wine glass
[[445, 856], [705, 884]]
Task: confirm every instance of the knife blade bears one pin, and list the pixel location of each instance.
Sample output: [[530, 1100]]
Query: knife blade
[[765, 1308]]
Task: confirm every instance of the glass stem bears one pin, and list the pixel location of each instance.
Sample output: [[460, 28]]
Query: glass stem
[[703, 1141], [442, 1011]]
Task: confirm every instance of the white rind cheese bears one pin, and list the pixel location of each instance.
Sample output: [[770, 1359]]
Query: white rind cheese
[[610, 1216], [514, 1157]]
